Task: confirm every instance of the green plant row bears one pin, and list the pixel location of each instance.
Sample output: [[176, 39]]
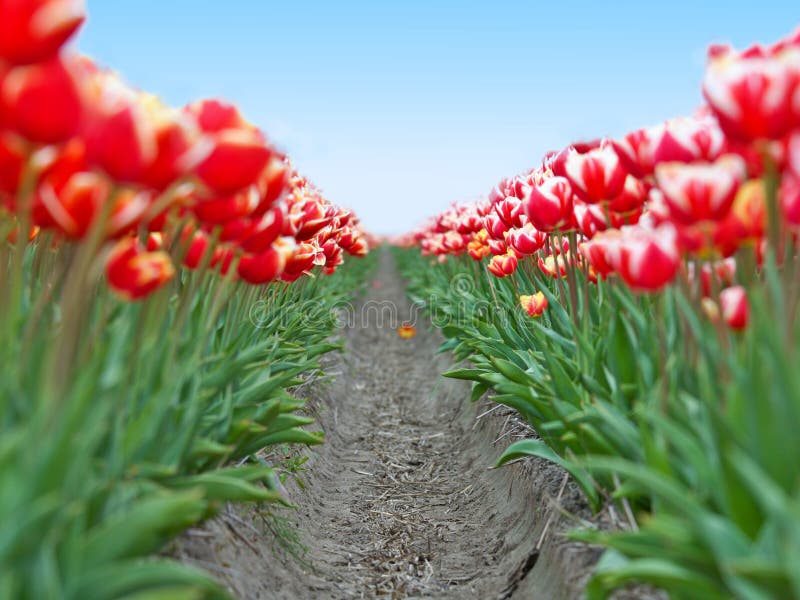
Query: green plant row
[[122, 424], [689, 428]]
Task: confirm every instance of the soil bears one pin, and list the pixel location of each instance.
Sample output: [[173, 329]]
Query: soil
[[401, 501]]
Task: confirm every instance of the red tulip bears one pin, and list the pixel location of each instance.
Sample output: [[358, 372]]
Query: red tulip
[[470, 221], [509, 210], [347, 236], [308, 217], [689, 140], [597, 176], [43, 102], [218, 211], [700, 191], [34, 30], [198, 247], [214, 116], [497, 247], [549, 205], [495, 226], [632, 197], [735, 307], [503, 265], [120, 132], [69, 196], [199, 250], [534, 304], [333, 256], [273, 183], [134, 273], [790, 199], [233, 231], [602, 251], [454, 242], [592, 218], [73, 206], [235, 161], [526, 240], [264, 231], [636, 150], [433, 244], [557, 161], [360, 247], [752, 93], [174, 136], [305, 257], [504, 189], [232, 154], [554, 266], [263, 267], [648, 260]]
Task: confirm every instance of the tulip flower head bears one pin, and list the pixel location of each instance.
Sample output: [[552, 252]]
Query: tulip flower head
[[700, 191], [478, 247], [647, 259], [134, 273], [26, 99], [232, 153], [406, 331], [549, 205], [526, 240], [597, 175], [534, 304], [503, 265], [637, 150], [735, 307], [34, 30], [689, 139], [554, 266], [753, 94]]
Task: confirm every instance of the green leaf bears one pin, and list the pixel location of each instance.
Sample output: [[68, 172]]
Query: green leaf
[[541, 450]]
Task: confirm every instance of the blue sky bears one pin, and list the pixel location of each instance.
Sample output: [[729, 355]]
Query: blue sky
[[397, 109]]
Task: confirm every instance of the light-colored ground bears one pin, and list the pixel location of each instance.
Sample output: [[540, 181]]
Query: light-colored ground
[[400, 502]]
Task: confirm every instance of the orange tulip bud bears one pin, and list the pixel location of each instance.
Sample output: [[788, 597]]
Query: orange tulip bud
[[534, 305], [503, 265], [406, 331]]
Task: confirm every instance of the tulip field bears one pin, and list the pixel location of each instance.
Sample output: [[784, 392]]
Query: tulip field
[[157, 303], [635, 300], [171, 287]]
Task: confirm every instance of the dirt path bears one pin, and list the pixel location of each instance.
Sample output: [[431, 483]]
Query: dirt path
[[400, 501]]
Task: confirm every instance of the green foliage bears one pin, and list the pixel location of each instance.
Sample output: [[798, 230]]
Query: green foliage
[[645, 401], [123, 424]]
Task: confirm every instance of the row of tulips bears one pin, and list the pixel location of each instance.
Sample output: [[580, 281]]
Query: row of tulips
[[636, 300], [81, 149], [167, 276]]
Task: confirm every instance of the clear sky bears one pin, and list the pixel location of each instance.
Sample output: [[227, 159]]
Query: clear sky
[[398, 108]]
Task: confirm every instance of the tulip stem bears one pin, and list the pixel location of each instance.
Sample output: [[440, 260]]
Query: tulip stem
[[771, 181], [570, 270], [491, 287], [14, 289], [559, 283]]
